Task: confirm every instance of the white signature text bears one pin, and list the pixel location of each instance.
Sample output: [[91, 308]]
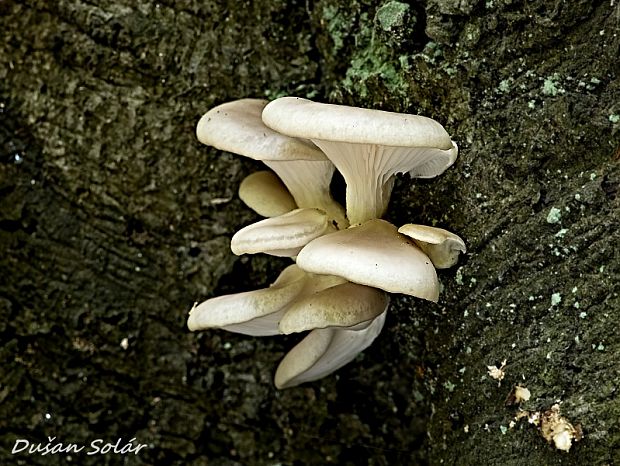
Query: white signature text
[[96, 447]]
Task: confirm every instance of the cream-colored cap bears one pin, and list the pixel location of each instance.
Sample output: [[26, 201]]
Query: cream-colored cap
[[373, 254]]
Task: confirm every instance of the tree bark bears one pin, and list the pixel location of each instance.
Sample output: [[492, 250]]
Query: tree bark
[[114, 220]]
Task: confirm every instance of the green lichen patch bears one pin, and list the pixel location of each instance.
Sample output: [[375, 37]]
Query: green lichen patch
[[392, 15], [372, 68]]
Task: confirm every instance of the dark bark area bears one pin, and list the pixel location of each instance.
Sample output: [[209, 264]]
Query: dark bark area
[[114, 220]]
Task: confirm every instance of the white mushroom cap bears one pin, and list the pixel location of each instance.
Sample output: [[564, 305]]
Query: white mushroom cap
[[441, 246], [258, 312], [237, 127], [326, 350], [367, 146], [342, 305], [373, 254], [252, 312], [264, 193], [284, 235]]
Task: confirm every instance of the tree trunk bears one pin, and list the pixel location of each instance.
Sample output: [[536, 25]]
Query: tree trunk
[[114, 220]]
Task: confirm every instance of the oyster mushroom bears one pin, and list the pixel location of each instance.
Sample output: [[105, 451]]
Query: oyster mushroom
[[337, 288], [323, 351], [344, 305], [284, 235], [367, 146], [373, 254], [441, 246], [237, 127], [344, 320], [258, 312]]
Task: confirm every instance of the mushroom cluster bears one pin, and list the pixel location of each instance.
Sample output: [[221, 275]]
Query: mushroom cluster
[[345, 260]]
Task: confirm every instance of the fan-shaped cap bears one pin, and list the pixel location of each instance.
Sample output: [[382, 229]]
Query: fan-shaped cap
[[441, 246], [303, 118], [343, 305], [367, 146], [258, 312], [324, 351], [252, 312], [237, 127], [373, 254], [284, 235]]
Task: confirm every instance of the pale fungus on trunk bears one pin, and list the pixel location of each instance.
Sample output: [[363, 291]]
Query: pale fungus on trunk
[[441, 246], [373, 254], [255, 313], [282, 236], [344, 264], [259, 312], [326, 350], [367, 146], [343, 305], [237, 127]]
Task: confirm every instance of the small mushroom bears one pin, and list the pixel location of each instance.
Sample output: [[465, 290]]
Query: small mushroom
[[264, 193], [440, 245], [373, 254], [284, 235], [324, 351], [237, 127], [367, 146]]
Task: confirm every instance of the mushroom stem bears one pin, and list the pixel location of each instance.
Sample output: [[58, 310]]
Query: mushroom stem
[[308, 182], [376, 165], [364, 200]]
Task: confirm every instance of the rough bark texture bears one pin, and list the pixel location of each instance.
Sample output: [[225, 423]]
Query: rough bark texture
[[114, 220]]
